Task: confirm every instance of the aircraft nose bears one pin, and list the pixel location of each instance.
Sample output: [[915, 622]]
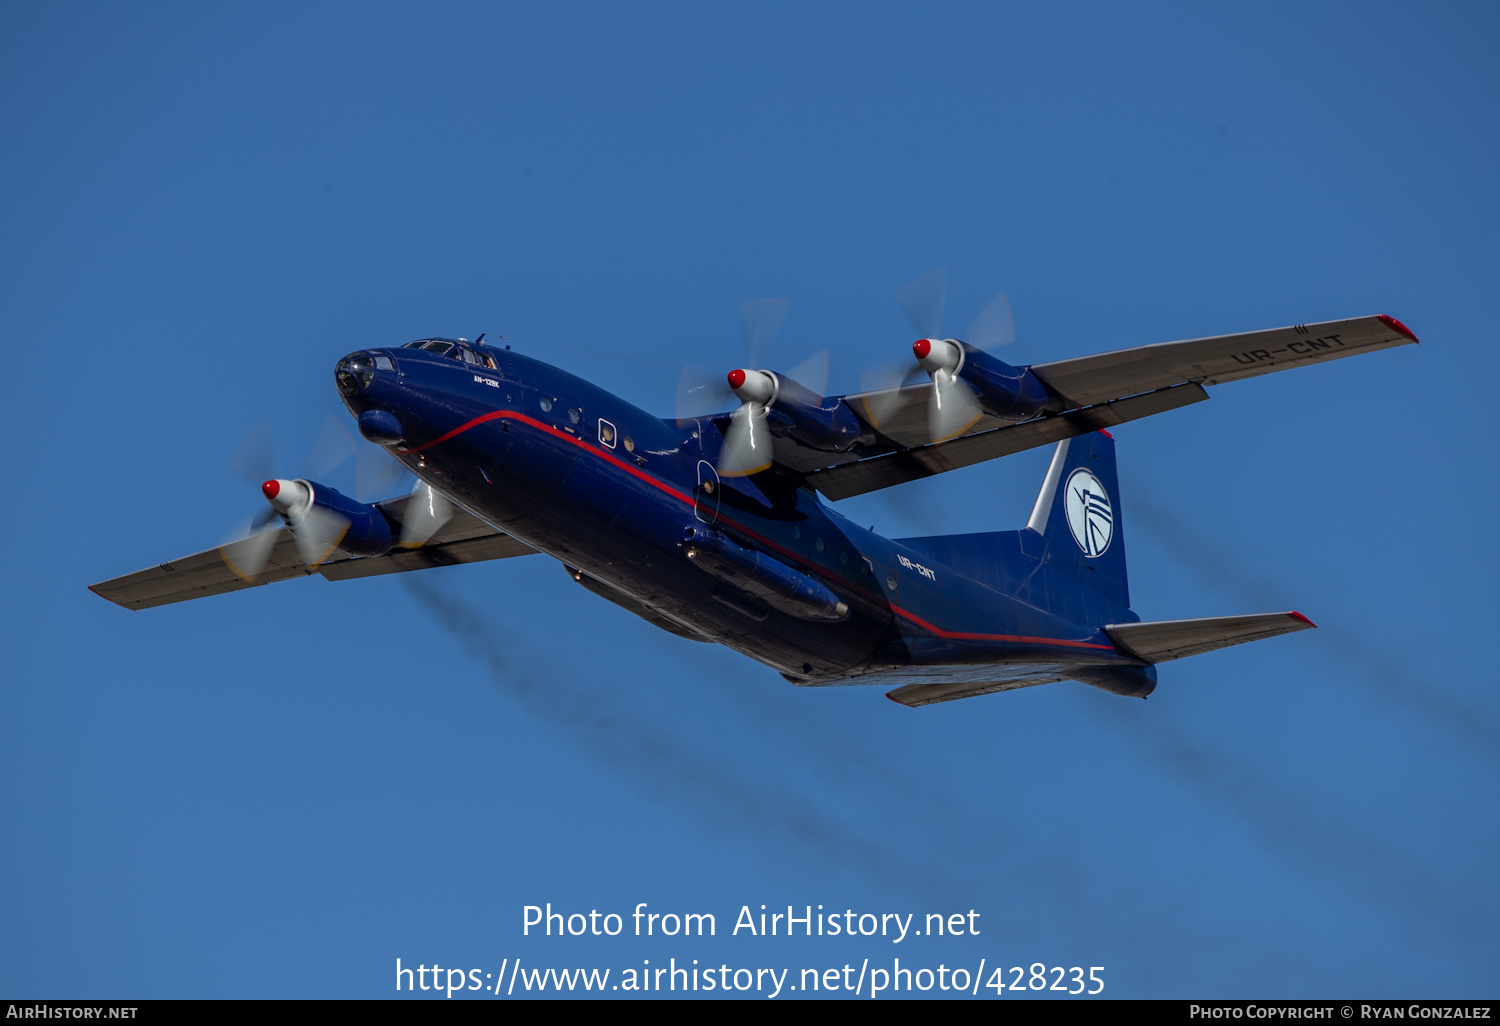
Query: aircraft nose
[[354, 373]]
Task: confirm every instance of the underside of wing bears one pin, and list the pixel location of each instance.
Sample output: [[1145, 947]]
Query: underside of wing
[[904, 465], [463, 539]]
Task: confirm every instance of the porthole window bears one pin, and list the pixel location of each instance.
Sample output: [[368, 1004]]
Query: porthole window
[[546, 405], [818, 544], [606, 433], [629, 444], [574, 415], [890, 581], [796, 531], [864, 568], [844, 557]]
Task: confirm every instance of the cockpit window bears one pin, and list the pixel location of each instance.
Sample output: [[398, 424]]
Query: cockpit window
[[418, 344], [468, 356], [438, 347]]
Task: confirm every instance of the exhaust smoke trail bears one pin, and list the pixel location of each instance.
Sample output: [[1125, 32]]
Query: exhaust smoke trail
[[662, 765], [1317, 839], [1289, 821], [1475, 726]]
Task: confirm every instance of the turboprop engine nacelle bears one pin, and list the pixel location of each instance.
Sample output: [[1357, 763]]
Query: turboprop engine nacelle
[[330, 518], [795, 411], [1010, 393]]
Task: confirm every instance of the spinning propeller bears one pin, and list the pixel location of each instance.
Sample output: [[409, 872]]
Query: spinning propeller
[[425, 513], [702, 392], [952, 407], [315, 531]]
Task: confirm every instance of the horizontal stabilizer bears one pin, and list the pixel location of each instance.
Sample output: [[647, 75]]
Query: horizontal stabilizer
[[1163, 640]]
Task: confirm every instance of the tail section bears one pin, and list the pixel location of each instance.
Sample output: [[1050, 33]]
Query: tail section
[[1077, 517]]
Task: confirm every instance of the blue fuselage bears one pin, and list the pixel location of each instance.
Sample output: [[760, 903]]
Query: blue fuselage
[[611, 491]]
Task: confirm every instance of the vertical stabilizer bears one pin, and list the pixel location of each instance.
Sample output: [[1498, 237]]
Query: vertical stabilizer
[[1077, 515]]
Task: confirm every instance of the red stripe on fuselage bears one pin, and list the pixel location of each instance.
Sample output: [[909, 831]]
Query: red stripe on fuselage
[[662, 486]]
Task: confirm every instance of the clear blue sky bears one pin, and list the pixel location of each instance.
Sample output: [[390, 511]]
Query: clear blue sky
[[279, 792]]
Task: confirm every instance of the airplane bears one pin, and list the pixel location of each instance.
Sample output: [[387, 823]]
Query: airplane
[[714, 528]]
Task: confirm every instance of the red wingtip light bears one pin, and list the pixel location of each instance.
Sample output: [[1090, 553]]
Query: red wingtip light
[[271, 489], [921, 347], [736, 379], [1397, 326], [1299, 616]]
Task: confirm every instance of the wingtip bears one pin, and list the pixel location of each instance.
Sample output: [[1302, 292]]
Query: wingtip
[[892, 696], [1298, 616], [1397, 326]]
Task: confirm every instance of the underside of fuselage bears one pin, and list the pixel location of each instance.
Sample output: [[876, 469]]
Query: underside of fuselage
[[611, 492]]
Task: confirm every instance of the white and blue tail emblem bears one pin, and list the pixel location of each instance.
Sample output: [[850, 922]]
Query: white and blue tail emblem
[[1077, 512], [1090, 517]]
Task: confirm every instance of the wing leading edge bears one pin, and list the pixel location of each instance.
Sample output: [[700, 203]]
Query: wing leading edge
[[463, 539], [1099, 391]]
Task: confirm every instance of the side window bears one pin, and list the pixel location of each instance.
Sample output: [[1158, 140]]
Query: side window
[[384, 363], [489, 361], [469, 356], [606, 433]]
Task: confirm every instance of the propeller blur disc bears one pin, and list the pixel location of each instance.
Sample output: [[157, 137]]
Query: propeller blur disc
[[317, 534], [923, 299], [812, 373], [995, 326], [882, 385], [425, 513], [747, 443], [251, 545], [254, 460], [953, 408], [760, 320], [701, 393], [332, 449], [376, 473]]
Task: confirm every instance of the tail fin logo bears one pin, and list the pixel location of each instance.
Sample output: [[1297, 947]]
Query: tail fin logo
[[1090, 516]]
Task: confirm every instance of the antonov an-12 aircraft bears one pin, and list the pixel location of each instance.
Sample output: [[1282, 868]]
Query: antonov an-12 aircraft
[[713, 526]]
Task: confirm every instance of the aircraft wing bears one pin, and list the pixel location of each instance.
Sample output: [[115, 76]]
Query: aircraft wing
[[1096, 392], [463, 539], [1211, 361], [867, 475]]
